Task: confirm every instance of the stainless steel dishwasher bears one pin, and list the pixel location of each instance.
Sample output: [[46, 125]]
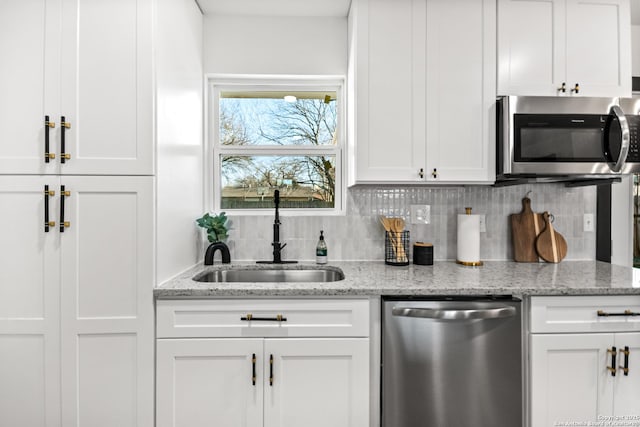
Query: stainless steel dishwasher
[[452, 362]]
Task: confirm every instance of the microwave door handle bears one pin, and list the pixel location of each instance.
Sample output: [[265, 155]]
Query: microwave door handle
[[624, 147]]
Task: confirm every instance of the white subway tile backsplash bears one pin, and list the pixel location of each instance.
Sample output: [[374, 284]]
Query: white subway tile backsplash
[[358, 235]]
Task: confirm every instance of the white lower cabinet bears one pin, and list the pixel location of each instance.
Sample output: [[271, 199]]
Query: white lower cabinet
[[580, 377], [207, 382], [267, 380], [76, 311]]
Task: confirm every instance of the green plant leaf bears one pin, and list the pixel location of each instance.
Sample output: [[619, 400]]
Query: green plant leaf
[[215, 225]]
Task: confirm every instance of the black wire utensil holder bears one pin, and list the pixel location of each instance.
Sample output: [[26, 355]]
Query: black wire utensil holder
[[396, 248]]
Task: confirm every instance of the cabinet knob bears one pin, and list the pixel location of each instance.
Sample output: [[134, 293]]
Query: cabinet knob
[[576, 89], [563, 88], [421, 173], [434, 173]]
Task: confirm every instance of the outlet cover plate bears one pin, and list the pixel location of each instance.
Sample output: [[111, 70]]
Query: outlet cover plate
[[420, 214], [483, 223], [587, 222]]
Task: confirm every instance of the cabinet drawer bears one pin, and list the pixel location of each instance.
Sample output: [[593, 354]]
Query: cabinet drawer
[[580, 314], [244, 318]]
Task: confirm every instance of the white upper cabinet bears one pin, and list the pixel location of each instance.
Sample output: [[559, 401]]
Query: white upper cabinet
[[547, 47], [88, 61], [422, 76], [461, 89], [389, 89], [29, 83]]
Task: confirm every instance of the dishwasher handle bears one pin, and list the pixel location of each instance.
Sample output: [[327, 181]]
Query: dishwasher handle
[[495, 312]]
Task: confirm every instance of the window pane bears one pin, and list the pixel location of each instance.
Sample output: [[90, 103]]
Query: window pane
[[266, 118], [304, 181]]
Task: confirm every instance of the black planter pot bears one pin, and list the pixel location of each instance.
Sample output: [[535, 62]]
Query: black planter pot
[[211, 250]]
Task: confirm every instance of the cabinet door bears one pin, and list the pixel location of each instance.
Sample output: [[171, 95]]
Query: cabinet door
[[626, 392], [316, 383], [107, 302], [599, 47], [389, 81], [208, 382], [106, 90], [569, 378], [461, 90], [29, 306], [531, 47], [29, 48]]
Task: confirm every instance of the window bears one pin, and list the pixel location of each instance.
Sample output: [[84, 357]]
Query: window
[[269, 134]]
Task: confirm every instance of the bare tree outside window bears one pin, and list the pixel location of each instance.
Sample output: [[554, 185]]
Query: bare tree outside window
[[266, 120]]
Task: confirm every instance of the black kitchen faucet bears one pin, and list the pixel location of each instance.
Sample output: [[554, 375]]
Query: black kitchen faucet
[[277, 247]]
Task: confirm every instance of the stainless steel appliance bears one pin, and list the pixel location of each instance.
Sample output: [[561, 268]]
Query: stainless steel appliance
[[563, 138], [452, 362]]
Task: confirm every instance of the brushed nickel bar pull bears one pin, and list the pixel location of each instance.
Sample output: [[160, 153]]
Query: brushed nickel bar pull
[[613, 351], [602, 313], [253, 369], [48, 125], [271, 370], [625, 367], [250, 317]]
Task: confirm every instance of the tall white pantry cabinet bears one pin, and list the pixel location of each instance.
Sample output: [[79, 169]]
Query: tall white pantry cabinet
[[76, 203]]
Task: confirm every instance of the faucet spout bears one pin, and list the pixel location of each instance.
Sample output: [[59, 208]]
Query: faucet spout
[[211, 251], [277, 246]]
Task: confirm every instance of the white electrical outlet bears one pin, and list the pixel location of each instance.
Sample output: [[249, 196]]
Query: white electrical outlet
[[483, 223], [587, 224], [420, 214]]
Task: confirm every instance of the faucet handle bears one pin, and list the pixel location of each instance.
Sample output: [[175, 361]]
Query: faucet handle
[[282, 247]]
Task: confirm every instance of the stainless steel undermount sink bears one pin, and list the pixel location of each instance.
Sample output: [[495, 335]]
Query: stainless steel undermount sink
[[271, 275]]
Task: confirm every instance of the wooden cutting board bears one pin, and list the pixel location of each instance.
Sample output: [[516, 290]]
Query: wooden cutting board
[[550, 244], [525, 227]]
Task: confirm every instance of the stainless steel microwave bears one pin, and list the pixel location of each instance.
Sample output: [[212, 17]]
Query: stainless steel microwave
[[565, 138]]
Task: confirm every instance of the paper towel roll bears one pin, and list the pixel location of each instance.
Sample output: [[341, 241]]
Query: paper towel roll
[[469, 239]]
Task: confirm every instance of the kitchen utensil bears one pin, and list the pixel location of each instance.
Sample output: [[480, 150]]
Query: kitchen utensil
[[396, 248], [550, 244], [394, 228], [525, 227], [397, 227]]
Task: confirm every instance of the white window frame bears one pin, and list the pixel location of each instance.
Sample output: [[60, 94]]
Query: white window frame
[[215, 83]]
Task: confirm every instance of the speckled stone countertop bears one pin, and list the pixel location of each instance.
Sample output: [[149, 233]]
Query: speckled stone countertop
[[443, 278]]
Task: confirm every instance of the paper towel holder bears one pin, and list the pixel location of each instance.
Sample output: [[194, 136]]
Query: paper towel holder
[[469, 263]]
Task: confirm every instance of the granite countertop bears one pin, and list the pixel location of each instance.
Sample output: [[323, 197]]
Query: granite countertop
[[443, 278]]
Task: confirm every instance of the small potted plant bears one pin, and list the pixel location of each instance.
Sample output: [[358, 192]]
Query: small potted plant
[[217, 231]]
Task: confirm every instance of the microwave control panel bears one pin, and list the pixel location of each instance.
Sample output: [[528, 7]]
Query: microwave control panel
[[634, 146]]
